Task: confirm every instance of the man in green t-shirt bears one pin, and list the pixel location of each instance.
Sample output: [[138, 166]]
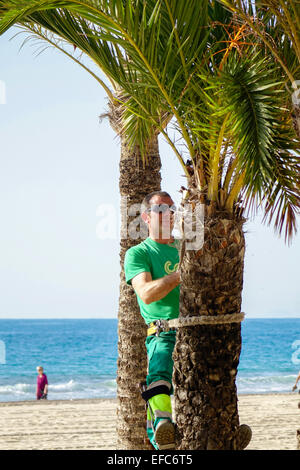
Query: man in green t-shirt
[[151, 267]]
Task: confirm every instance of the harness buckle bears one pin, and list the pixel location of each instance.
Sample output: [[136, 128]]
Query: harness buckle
[[158, 326], [161, 325]]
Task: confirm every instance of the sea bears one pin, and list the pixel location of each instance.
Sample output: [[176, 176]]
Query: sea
[[79, 357]]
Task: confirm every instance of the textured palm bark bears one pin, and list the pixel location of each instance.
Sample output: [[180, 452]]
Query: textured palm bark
[[206, 357], [135, 182], [298, 439]]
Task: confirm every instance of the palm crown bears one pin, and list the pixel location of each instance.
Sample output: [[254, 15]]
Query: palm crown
[[192, 63]]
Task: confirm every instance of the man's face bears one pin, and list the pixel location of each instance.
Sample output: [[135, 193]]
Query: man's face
[[160, 222]]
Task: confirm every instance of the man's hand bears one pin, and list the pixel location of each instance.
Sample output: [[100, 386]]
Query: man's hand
[[294, 388]]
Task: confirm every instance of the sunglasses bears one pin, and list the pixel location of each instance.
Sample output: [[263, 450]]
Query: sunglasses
[[157, 208]]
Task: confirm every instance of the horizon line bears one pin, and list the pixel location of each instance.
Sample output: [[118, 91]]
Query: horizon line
[[116, 318]]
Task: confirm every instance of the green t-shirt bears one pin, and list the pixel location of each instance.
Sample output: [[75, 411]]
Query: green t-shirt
[[158, 259]]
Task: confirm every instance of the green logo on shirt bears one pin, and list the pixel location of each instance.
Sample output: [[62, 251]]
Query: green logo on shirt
[[168, 268]]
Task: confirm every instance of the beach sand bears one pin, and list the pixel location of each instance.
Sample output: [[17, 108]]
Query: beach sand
[[90, 424]]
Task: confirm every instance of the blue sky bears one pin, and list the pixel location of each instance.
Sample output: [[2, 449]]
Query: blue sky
[[58, 165]]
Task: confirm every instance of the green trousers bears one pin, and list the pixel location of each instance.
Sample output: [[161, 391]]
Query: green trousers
[[160, 369]]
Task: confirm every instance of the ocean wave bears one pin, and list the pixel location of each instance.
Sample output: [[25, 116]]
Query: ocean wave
[[17, 389], [71, 389], [85, 387], [270, 377], [266, 383], [63, 387]]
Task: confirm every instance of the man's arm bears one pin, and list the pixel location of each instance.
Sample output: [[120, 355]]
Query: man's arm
[[151, 291]]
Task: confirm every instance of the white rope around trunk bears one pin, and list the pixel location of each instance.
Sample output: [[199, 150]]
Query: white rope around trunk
[[206, 320]]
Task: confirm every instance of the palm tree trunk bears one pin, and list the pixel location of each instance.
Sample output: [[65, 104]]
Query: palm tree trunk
[[135, 183], [206, 356]]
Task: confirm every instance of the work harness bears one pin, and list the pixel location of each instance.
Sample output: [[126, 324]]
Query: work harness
[[158, 326]]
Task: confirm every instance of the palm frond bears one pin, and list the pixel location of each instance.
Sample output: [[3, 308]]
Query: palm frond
[[250, 95], [227, 96], [281, 199], [273, 24]]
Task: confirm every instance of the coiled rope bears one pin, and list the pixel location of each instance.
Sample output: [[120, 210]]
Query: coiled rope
[[206, 320]]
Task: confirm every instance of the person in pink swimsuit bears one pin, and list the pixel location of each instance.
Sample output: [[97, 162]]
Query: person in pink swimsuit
[[42, 384]]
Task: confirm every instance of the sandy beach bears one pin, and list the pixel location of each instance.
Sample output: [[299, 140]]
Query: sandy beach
[[90, 424]]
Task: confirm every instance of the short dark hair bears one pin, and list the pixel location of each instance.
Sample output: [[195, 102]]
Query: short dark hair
[[146, 201]]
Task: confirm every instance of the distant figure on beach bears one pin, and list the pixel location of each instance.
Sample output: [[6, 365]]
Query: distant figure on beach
[[42, 384], [297, 380]]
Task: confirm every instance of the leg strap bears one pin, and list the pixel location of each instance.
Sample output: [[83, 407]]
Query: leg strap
[[159, 389]]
